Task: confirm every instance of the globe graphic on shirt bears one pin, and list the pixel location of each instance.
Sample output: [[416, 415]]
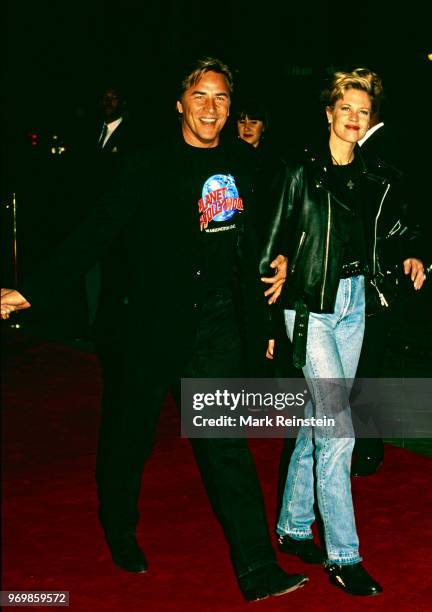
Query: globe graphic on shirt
[[220, 181]]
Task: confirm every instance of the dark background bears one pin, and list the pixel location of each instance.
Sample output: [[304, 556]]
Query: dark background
[[60, 54]]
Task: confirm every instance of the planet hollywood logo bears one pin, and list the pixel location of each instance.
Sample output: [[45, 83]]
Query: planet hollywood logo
[[220, 200]]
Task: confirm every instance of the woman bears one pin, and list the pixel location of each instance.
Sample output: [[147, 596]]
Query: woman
[[251, 124], [326, 224]]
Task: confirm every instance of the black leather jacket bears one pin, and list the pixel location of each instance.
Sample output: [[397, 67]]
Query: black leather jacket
[[310, 225]]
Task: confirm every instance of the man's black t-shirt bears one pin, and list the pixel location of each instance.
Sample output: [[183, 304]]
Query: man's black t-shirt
[[215, 185]]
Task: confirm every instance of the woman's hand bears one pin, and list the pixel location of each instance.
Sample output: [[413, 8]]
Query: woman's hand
[[280, 265]]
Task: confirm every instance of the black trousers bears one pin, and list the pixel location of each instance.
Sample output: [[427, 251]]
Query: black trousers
[[226, 465], [370, 365]]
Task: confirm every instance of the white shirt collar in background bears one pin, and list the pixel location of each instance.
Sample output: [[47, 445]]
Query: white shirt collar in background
[[111, 126], [370, 132]]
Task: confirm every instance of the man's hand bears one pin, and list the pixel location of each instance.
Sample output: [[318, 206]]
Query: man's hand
[[12, 300], [280, 265], [415, 268], [270, 349]]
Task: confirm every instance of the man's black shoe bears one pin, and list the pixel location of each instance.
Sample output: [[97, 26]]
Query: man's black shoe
[[353, 579], [126, 553], [366, 465], [306, 550], [269, 580]]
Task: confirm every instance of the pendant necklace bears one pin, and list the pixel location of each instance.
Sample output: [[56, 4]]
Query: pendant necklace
[[350, 183]]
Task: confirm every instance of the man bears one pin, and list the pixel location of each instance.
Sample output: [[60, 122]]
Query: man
[[192, 276], [112, 109], [368, 453], [379, 143], [103, 151], [117, 137]]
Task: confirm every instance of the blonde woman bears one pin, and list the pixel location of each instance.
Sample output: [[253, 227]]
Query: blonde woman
[[325, 224]]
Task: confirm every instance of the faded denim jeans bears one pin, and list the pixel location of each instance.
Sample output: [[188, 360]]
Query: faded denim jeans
[[333, 348]]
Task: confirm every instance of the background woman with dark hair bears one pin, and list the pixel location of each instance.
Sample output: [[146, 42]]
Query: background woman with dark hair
[[252, 122]]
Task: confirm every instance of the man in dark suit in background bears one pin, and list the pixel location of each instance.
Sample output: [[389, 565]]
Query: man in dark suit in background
[[115, 137], [381, 143], [107, 149], [116, 131], [369, 452]]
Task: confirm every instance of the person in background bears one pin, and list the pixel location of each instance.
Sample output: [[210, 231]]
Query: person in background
[[103, 147], [379, 143], [368, 453], [118, 139], [251, 126], [252, 123], [116, 132], [115, 137], [325, 225]]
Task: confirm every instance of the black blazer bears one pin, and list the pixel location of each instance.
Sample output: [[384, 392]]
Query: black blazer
[[384, 145], [106, 168], [124, 139], [105, 163]]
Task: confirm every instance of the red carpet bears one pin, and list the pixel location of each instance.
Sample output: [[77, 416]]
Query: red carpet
[[52, 540]]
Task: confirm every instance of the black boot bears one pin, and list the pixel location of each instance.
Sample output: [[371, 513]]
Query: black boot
[[353, 579], [269, 580], [126, 553], [306, 549], [368, 456]]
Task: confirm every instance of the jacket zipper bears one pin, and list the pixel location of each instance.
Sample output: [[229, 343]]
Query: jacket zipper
[[297, 253], [375, 231], [327, 250], [373, 283]]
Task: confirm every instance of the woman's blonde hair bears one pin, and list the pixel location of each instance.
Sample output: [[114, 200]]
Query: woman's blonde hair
[[361, 78]]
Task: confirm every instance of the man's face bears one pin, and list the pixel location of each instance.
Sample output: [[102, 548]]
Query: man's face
[[204, 108], [111, 105]]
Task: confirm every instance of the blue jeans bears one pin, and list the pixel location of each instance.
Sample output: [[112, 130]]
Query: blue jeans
[[333, 348]]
